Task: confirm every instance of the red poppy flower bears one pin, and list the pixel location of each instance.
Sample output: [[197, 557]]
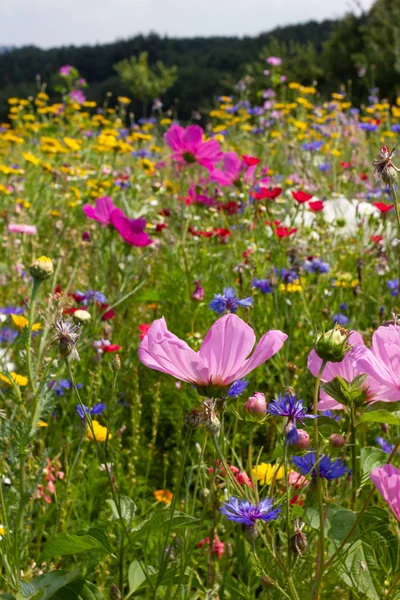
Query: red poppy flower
[[283, 232], [107, 314], [316, 205], [376, 239], [143, 329], [222, 233], [345, 165], [384, 208], [250, 160], [301, 196], [266, 194], [364, 176], [111, 348]]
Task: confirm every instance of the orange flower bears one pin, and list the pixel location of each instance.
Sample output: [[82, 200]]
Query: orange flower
[[163, 496]]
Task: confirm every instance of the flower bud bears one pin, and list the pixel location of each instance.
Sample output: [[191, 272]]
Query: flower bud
[[81, 316], [115, 594], [198, 294], [194, 419], [116, 363], [302, 441], [251, 532], [332, 346], [255, 406], [41, 268], [337, 440]]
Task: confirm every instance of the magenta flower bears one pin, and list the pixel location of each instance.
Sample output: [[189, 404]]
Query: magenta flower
[[77, 96], [232, 169], [102, 211], [274, 61], [20, 228], [382, 363], [65, 70], [387, 481], [222, 358], [131, 230], [188, 146]]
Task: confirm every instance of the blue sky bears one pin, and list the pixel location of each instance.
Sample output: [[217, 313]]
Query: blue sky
[[48, 23]]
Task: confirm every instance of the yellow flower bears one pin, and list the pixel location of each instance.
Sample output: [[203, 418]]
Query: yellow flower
[[163, 496], [100, 432], [124, 100], [265, 473], [21, 322], [18, 379], [42, 424]]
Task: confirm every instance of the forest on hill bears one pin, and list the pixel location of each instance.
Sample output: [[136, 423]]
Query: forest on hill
[[359, 52]]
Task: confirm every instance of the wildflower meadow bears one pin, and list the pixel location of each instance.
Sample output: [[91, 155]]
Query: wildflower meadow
[[200, 347]]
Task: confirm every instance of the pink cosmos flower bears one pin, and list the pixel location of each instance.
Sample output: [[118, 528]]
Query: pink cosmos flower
[[131, 230], [274, 61], [232, 168], [20, 228], [102, 211], [387, 481], [65, 70], [222, 358], [188, 146], [382, 362]]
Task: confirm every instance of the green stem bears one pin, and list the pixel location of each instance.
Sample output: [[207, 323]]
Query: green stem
[[354, 474], [287, 506], [228, 472], [396, 203], [31, 316], [315, 593], [165, 554]]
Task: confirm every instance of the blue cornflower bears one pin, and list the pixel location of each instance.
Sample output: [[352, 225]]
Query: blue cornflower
[[393, 285], [97, 409], [330, 414], [59, 387], [312, 146], [324, 167], [8, 335], [396, 128], [384, 444], [237, 388], [264, 285], [228, 302], [368, 126], [244, 511], [287, 275], [316, 265], [340, 319], [288, 406], [343, 307], [90, 296], [328, 468], [15, 310]]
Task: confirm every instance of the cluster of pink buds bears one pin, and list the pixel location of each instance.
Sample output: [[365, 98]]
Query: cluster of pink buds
[[217, 547], [51, 473]]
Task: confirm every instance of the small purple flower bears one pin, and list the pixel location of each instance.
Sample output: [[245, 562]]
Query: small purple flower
[[328, 469], [264, 285], [15, 310], [316, 265], [384, 444], [66, 70], [244, 511], [274, 61], [288, 406], [77, 96], [97, 409], [61, 386], [340, 319], [237, 388], [8, 335], [393, 286], [228, 302]]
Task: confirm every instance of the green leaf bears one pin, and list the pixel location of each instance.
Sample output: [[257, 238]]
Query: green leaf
[[44, 586], [354, 570], [158, 522], [79, 590], [381, 416], [345, 392], [127, 509], [370, 458], [66, 543], [341, 521], [137, 576]]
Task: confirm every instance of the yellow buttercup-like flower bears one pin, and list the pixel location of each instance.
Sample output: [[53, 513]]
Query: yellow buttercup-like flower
[[100, 432], [265, 473], [164, 496], [21, 322], [19, 380]]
